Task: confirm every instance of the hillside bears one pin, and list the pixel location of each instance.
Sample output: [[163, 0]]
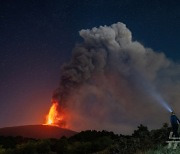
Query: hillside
[[36, 131]]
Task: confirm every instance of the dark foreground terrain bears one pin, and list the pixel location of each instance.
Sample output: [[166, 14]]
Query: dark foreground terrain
[[91, 141]]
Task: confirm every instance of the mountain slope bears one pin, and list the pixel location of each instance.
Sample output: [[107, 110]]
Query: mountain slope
[[36, 131]]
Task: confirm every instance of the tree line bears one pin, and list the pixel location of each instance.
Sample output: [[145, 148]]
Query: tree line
[[90, 141]]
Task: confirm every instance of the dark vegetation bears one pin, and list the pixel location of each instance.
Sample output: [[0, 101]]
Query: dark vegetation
[[102, 142]]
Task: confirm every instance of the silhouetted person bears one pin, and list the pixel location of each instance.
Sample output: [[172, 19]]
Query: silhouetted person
[[175, 124]]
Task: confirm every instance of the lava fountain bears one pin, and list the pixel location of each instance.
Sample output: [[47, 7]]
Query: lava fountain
[[56, 116]]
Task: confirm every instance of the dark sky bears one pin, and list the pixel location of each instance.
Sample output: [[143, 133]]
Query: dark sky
[[37, 36]]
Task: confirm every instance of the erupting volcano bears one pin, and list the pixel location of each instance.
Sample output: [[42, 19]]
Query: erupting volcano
[[56, 115], [54, 127]]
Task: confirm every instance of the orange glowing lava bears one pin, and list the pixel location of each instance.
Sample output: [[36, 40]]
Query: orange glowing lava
[[54, 118]]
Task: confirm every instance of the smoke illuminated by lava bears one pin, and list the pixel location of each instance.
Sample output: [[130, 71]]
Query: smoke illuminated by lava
[[55, 117], [114, 83]]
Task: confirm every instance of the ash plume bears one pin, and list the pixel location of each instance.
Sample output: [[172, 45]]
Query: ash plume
[[102, 87]]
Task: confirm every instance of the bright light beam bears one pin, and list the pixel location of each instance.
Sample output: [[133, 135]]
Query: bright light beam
[[148, 87], [161, 101]]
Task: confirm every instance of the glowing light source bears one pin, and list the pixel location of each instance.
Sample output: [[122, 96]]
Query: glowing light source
[[54, 118], [150, 89], [161, 101]]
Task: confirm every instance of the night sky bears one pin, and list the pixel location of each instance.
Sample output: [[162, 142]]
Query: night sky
[[37, 37]]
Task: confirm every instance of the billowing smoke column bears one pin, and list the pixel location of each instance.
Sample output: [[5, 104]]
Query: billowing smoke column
[[106, 83]]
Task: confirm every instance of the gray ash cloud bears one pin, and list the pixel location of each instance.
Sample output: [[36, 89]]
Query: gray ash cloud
[[102, 85]]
